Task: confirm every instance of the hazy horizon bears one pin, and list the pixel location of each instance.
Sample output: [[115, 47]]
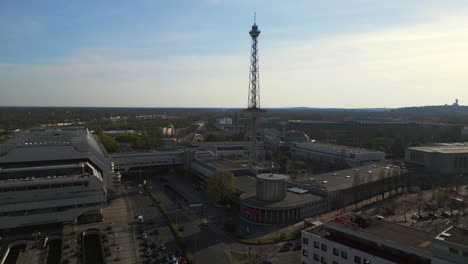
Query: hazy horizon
[[195, 54]]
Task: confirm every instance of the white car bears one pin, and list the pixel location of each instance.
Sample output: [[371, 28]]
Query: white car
[[140, 219], [144, 236]]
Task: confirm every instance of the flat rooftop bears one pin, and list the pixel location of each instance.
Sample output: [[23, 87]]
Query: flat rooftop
[[444, 148], [455, 235], [221, 163], [320, 146], [381, 230], [291, 200], [343, 179], [272, 177], [48, 144]]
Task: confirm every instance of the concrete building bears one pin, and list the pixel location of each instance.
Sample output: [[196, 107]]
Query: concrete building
[[272, 199], [440, 158], [363, 239], [450, 246], [346, 187], [224, 123], [229, 149], [52, 175], [129, 161], [267, 200], [336, 155]]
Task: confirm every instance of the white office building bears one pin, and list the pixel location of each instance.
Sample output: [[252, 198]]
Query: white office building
[[365, 239], [52, 175]]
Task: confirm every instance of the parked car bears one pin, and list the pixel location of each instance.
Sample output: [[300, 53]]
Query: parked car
[[171, 255], [144, 236], [445, 214], [148, 252], [178, 253], [140, 219]]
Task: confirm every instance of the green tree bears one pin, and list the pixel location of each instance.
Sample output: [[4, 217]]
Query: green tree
[[220, 186], [109, 143]]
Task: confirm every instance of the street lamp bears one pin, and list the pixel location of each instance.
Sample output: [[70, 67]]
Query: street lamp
[[118, 255], [36, 236]]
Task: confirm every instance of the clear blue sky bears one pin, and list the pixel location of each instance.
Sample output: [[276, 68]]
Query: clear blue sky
[[356, 53]]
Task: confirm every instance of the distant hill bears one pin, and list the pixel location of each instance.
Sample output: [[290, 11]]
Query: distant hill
[[434, 110]]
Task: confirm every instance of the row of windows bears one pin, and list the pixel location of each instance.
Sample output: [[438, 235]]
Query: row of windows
[[336, 252], [145, 163], [460, 162], [417, 156], [457, 252], [47, 210], [44, 186]]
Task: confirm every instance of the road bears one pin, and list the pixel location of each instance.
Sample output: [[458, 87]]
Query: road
[[207, 244]]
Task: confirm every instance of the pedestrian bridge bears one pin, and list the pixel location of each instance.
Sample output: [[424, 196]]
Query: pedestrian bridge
[[202, 162], [126, 162]]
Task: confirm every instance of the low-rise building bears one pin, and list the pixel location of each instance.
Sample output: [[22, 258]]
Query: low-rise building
[[230, 149], [361, 238], [450, 246], [440, 158], [334, 155], [345, 187]]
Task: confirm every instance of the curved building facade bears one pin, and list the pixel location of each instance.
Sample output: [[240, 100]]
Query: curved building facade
[[273, 203]]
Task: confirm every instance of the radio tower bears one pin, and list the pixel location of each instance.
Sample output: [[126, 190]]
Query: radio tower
[[253, 109]]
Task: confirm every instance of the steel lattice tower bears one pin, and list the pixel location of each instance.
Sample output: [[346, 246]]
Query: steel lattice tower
[[254, 86], [253, 107]]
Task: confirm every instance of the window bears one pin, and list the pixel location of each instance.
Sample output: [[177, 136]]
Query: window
[[323, 259], [316, 257], [316, 244], [324, 247], [336, 252], [357, 259], [344, 254], [335, 262], [305, 240], [453, 250], [305, 253]]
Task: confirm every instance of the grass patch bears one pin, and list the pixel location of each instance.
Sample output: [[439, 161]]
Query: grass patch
[[270, 240]]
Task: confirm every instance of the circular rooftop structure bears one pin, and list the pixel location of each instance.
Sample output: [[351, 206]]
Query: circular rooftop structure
[[272, 177], [271, 187]]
